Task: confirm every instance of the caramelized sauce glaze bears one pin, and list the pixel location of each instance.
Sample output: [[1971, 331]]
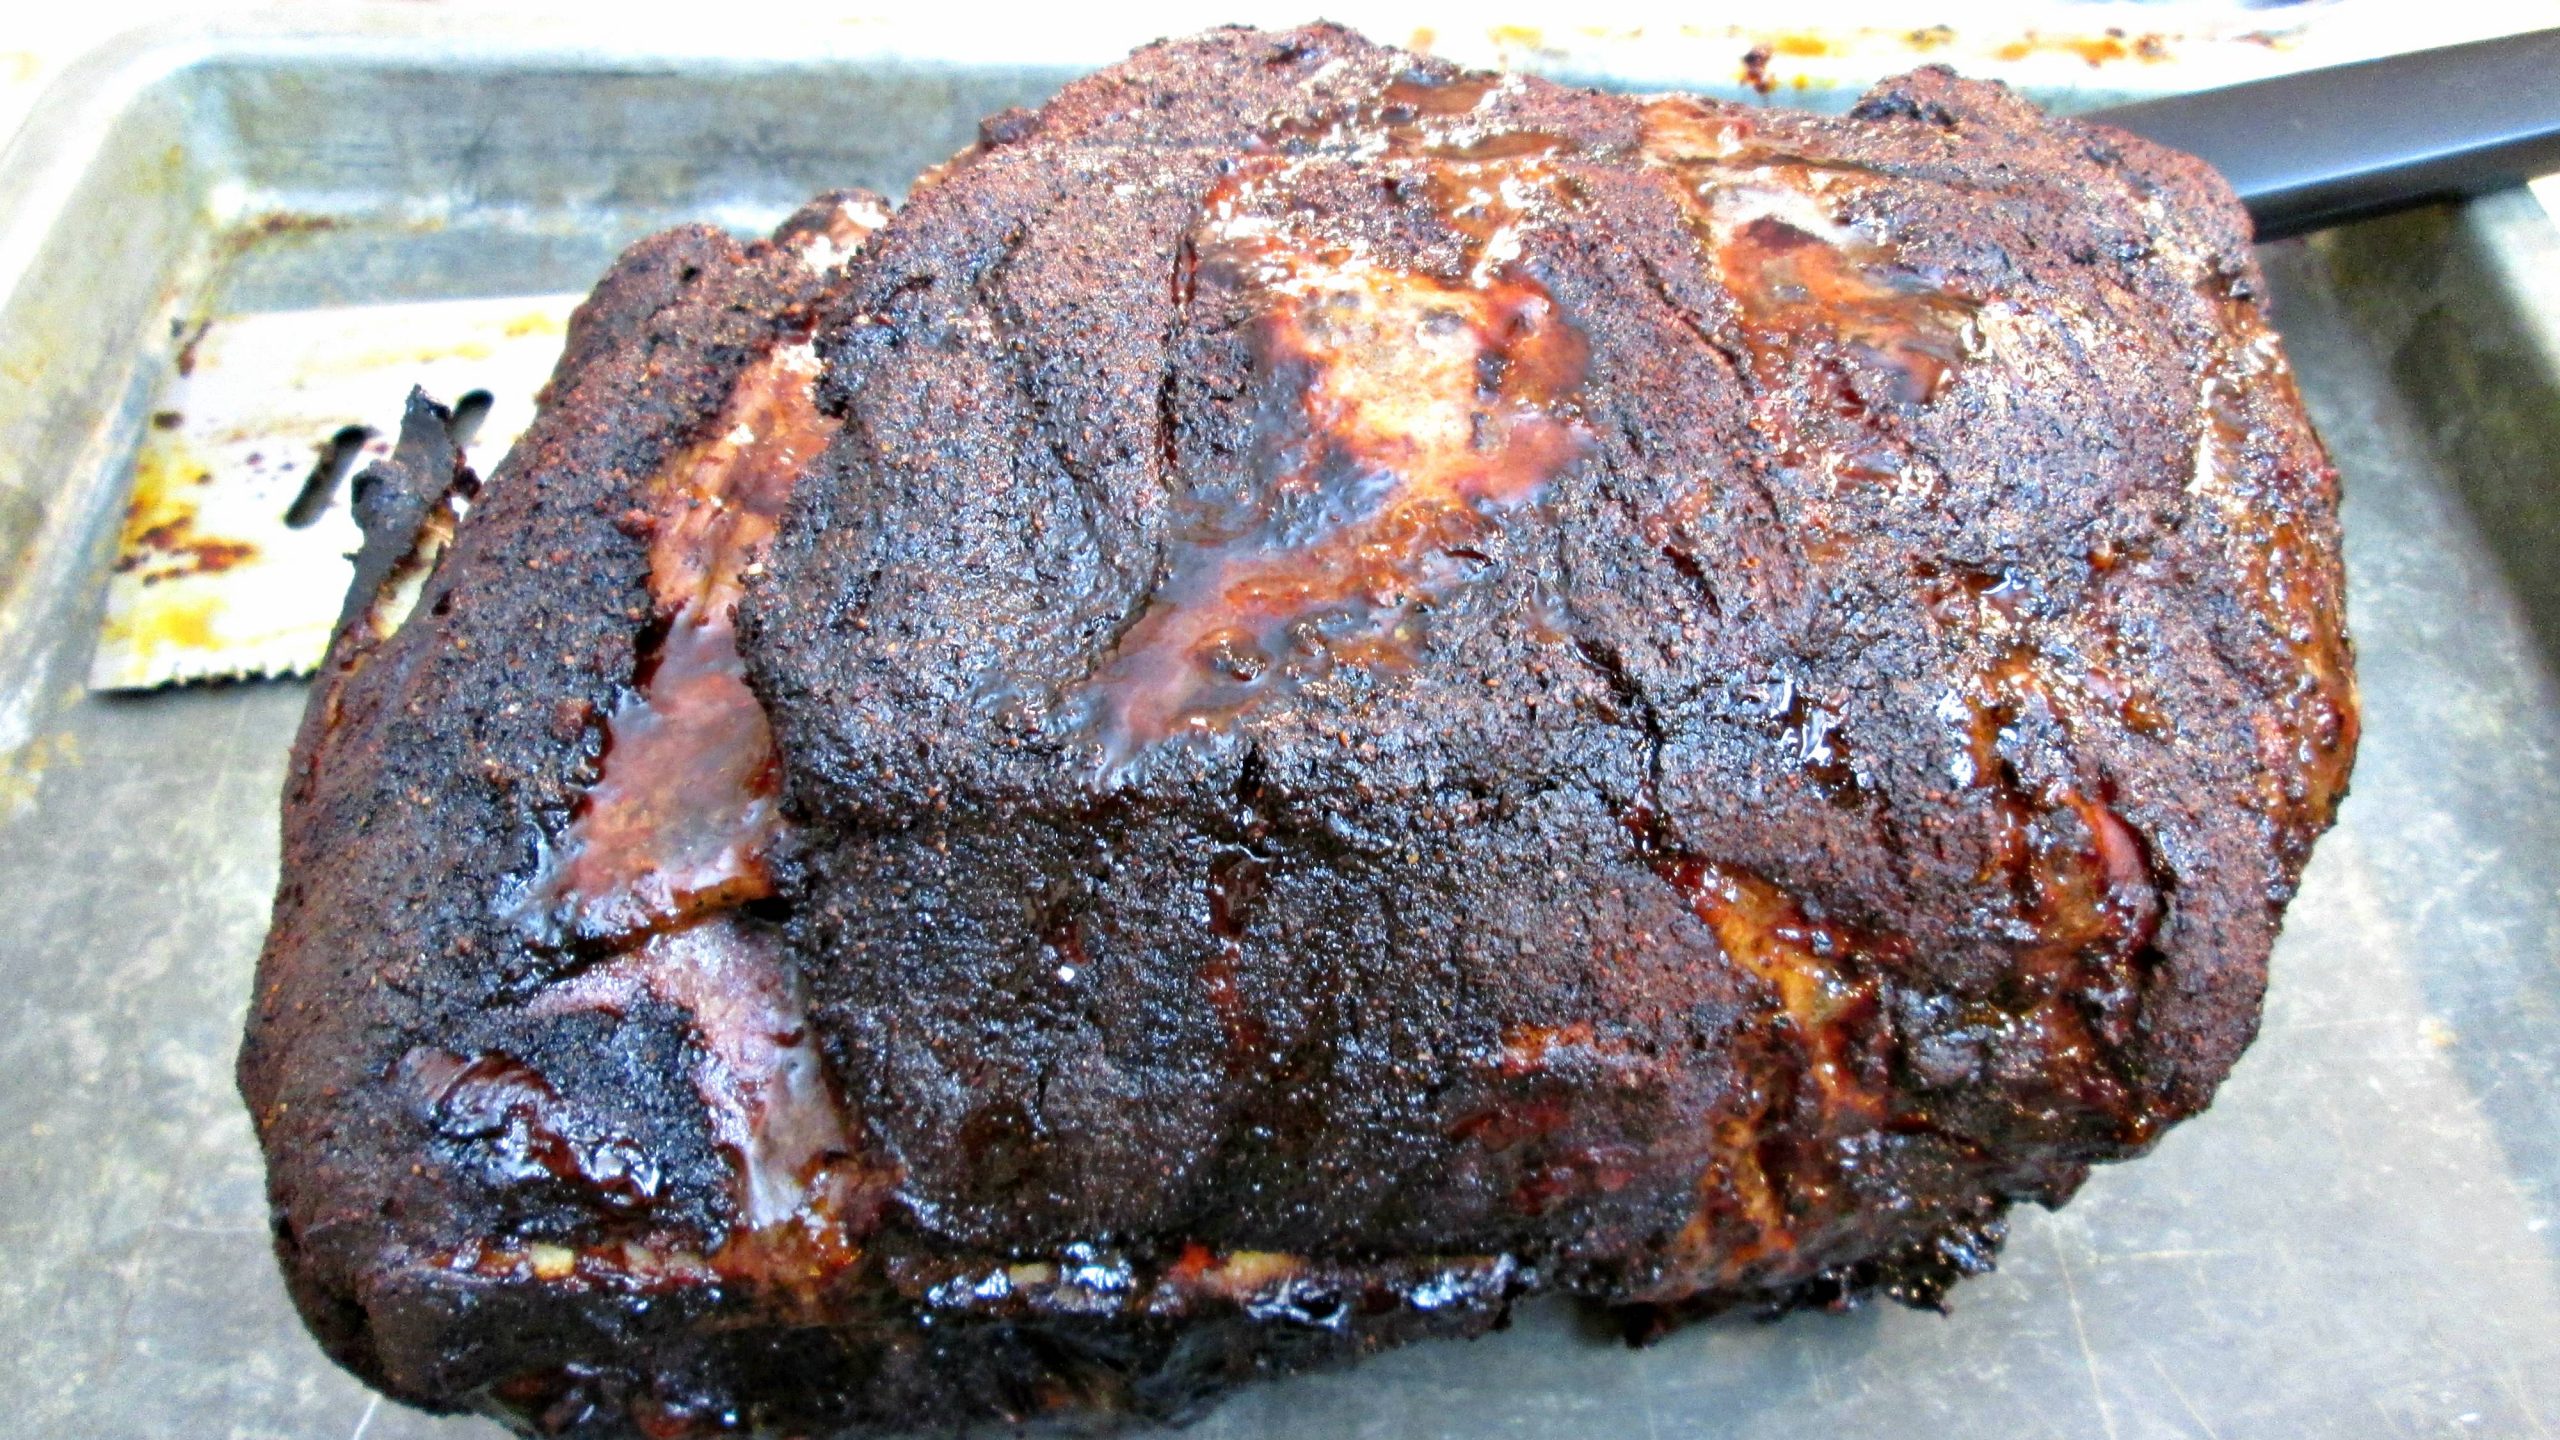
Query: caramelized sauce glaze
[[2078, 910], [1818, 303], [1774, 1166], [679, 823], [759, 1072], [1778, 1165], [685, 808], [1397, 418], [1810, 737], [2068, 882], [2284, 580], [675, 832], [674, 836], [1791, 282]]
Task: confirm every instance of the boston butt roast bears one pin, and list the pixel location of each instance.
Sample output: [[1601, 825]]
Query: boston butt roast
[[1313, 694]]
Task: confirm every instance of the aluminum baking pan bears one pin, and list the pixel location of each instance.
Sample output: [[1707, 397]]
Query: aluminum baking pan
[[2356, 1241]]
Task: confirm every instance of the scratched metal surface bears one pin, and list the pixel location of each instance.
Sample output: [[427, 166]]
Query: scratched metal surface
[[2356, 1241]]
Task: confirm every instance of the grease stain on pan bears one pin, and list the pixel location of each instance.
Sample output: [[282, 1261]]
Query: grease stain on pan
[[1811, 59], [2096, 50], [234, 550], [22, 770]]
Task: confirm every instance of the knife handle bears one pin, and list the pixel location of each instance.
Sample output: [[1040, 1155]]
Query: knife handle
[[2325, 146]]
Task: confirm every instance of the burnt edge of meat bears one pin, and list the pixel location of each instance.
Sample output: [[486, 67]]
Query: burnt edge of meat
[[432, 761], [1732, 902], [399, 503]]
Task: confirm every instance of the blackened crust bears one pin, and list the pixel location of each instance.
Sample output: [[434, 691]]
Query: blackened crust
[[429, 765], [1395, 690]]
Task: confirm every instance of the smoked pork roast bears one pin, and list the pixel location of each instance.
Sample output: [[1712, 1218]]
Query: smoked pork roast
[[1316, 693]]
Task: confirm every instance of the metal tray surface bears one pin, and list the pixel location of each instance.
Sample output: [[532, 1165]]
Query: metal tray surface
[[2356, 1241]]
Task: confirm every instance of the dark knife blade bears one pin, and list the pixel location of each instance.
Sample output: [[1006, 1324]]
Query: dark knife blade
[[2324, 146]]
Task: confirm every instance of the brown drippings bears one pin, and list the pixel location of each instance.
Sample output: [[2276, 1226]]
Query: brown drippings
[[160, 538], [680, 819], [1397, 416], [517, 1123], [1755, 69], [190, 340], [2095, 51], [174, 553]]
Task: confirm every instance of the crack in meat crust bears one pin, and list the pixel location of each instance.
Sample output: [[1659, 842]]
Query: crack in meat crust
[[1317, 692]]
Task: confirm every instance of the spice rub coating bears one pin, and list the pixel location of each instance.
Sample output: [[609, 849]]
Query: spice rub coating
[[1315, 693]]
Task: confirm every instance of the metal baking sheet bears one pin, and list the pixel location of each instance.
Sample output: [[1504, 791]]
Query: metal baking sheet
[[2356, 1241]]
